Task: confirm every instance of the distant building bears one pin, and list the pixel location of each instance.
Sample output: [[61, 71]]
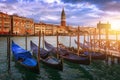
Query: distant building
[[49, 29], [103, 25], [5, 23], [52, 29], [41, 27], [22, 25]]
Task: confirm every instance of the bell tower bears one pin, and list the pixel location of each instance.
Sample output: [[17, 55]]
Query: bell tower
[[63, 18]]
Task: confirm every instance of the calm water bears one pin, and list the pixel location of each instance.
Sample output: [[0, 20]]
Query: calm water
[[70, 71]]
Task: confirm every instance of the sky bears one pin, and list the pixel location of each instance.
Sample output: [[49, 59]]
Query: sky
[[78, 12]]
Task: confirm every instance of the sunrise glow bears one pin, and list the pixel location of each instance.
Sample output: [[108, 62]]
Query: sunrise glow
[[115, 25]]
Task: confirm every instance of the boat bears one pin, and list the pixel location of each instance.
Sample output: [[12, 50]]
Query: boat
[[68, 55], [95, 55], [83, 47], [50, 60], [24, 58]]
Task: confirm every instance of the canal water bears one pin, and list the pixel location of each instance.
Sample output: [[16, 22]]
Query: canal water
[[70, 71]]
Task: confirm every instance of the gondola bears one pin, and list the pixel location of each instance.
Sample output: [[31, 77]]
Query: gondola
[[24, 58], [94, 55], [67, 55], [49, 60]]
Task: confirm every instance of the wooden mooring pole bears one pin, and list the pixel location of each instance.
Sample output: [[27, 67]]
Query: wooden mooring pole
[[107, 44], [70, 42], [43, 40], [57, 45], [78, 41], [8, 53], [38, 56], [7, 49], [117, 42], [93, 41], [99, 38], [89, 40], [84, 41], [26, 41]]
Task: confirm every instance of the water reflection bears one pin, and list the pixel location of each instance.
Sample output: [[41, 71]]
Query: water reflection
[[70, 72], [26, 74], [53, 74], [79, 71]]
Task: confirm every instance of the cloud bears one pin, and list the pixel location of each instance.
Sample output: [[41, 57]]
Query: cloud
[[8, 1], [111, 6], [78, 12], [90, 1], [108, 5]]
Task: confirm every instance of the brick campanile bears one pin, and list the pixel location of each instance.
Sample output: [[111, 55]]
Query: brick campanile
[[63, 18]]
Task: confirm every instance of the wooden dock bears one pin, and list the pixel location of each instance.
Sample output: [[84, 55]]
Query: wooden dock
[[112, 47]]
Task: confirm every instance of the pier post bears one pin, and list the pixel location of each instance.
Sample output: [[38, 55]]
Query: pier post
[[43, 40], [38, 56], [90, 41], [26, 41], [112, 59], [78, 41], [119, 51], [84, 42], [90, 50], [99, 39], [107, 44], [70, 42], [118, 60], [94, 39], [117, 45], [57, 46], [8, 52], [7, 49]]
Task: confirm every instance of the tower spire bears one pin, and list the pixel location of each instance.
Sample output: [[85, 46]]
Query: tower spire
[[63, 18]]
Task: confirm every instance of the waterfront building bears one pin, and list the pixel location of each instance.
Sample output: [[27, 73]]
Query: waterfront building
[[39, 27], [19, 25], [49, 29], [52, 29], [5, 23], [104, 25], [22, 25]]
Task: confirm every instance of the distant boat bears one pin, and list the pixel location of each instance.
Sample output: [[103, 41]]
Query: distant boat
[[67, 55], [24, 58], [94, 55], [48, 60]]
